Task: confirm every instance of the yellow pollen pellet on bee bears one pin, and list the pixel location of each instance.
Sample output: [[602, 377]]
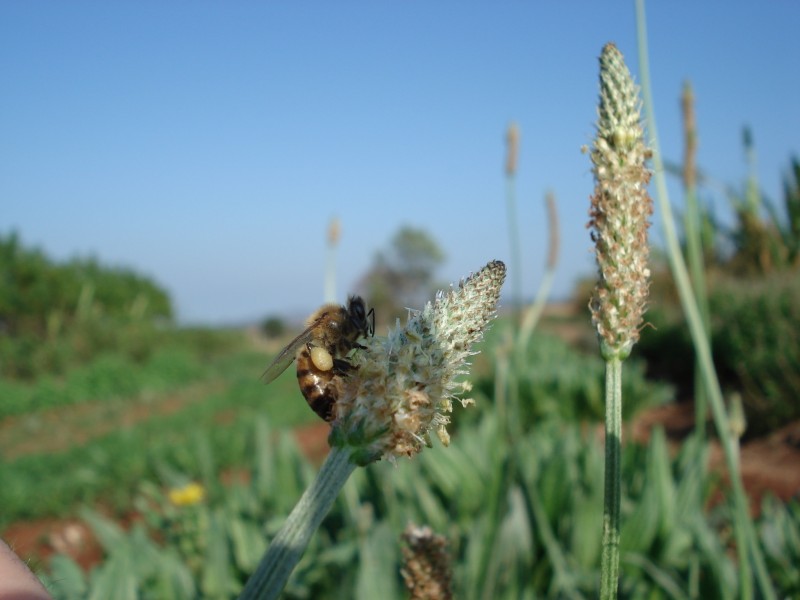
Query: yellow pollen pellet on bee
[[321, 358]]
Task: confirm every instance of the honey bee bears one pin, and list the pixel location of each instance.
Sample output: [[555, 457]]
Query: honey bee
[[321, 351]]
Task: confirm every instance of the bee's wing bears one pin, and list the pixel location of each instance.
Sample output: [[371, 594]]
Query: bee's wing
[[287, 355]]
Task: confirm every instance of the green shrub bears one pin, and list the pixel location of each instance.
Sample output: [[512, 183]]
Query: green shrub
[[54, 316], [755, 336], [666, 347], [207, 343], [556, 381], [756, 342], [107, 377], [273, 327], [35, 288]]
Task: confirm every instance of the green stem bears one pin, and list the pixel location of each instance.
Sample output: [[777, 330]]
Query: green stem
[[743, 527], [694, 254], [534, 311], [287, 547], [694, 246], [329, 292], [609, 561], [516, 255]]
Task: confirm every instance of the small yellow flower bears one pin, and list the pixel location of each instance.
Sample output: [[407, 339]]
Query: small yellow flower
[[187, 495]]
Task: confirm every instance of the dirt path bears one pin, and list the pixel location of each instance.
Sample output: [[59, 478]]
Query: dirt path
[[66, 426]]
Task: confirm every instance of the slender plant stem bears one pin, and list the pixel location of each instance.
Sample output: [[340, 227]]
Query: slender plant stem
[[743, 527], [329, 292], [287, 547], [609, 561], [694, 252], [513, 236], [534, 311], [694, 246], [501, 380]]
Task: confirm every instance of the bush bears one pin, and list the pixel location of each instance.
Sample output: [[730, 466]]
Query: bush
[[667, 348], [273, 327], [556, 381], [756, 342], [106, 377], [57, 315], [755, 337]]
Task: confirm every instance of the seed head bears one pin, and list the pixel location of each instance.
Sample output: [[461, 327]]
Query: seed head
[[426, 564], [405, 383], [512, 143], [334, 231], [620, 207]]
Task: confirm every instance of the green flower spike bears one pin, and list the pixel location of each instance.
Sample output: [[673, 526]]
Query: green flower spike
[[619, 212], [405, 383], [620, 209]]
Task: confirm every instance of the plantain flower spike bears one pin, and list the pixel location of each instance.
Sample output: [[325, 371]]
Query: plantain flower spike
[[620, 208], [427, 569], [404, 385], [512, 142]]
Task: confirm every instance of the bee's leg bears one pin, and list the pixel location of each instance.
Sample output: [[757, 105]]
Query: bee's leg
[[343, 367]]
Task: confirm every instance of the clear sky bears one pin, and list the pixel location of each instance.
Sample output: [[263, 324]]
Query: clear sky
[[208, 144]]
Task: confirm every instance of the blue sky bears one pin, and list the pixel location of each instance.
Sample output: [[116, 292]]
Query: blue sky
[[208, 144]]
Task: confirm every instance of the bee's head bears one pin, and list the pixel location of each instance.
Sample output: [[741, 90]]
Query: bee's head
[[359, 317]]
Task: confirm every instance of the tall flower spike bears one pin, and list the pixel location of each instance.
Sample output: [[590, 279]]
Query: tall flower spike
[[512, 141], [620, 209], [404, 385]]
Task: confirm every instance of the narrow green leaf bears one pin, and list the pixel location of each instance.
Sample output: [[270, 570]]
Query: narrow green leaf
[[378, 565], [109, 534], [216, 579], [248, 543], [68, 575], [115, 580]]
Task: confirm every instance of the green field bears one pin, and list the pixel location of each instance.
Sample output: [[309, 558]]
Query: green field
[[179, 464], [111, 438]]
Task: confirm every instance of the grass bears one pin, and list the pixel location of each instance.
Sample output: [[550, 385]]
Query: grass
[[534, 528], [94, 449], [522, 520]]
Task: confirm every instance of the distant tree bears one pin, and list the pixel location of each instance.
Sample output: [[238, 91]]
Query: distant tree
[[402, 275], [273, 327]]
